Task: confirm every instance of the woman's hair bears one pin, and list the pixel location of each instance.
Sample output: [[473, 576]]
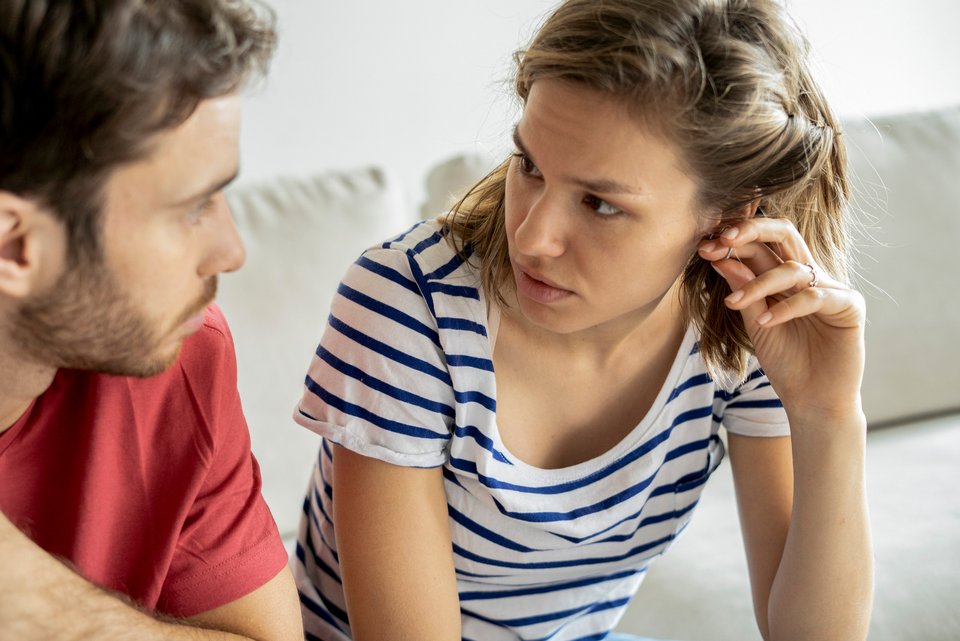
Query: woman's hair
[[727, 82], [84, 87]]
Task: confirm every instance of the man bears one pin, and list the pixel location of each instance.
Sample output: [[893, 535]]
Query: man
[[130, 503]]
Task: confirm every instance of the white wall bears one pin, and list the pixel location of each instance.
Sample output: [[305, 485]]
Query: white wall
[[405, 85]]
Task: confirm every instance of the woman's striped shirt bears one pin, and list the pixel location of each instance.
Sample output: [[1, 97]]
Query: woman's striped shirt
[[404, 373]]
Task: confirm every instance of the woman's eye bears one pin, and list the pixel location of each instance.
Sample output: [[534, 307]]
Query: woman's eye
[[526, 165], [601, 207]]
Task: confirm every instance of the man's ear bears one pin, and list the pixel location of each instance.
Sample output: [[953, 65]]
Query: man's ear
[[30, 244]]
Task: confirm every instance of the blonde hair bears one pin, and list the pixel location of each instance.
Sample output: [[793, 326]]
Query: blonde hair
[[727, 82]]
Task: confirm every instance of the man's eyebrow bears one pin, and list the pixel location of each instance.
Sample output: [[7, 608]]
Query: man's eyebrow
[[209, 191], [599, 186]]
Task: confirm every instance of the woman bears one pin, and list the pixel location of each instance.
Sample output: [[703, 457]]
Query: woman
[[520, 402]]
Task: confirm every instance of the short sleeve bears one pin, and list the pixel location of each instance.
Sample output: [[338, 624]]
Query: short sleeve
[[379, 384], [753, 408], [229, 544]]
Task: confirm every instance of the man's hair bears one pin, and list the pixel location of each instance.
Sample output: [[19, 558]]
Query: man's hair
[[85, 84]]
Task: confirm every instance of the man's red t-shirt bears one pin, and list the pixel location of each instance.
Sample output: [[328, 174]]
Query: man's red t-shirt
[[147, 486]]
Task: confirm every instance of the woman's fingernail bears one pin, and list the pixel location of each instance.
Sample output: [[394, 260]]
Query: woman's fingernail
[[709, 247], [764, 318], [735, 297], [731, 233]]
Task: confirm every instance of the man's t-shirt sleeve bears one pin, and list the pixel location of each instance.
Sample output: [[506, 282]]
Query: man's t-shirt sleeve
[[229, 544]]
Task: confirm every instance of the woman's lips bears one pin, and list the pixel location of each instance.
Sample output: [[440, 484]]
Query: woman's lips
[[539, 291]]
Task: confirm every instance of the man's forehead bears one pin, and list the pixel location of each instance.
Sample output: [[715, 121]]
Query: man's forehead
[[188, 159]]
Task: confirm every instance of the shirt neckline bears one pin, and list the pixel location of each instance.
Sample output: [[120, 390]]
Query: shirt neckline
[[625, 444]]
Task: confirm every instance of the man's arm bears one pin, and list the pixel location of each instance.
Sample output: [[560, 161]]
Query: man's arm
[[41, 598]]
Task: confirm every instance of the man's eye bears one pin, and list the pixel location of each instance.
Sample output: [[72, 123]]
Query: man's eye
[[197, 212], [601, 207]]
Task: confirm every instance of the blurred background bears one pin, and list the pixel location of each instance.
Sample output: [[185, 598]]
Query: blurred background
[[407, 84]]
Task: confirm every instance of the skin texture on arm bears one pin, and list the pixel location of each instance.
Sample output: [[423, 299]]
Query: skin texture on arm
[[393, 541], [763, 479], [807, 331], [41, 598]]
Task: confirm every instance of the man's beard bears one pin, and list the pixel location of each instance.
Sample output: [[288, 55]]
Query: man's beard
[[87, 322]]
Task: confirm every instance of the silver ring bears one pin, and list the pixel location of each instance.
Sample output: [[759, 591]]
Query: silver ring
[[814, 277], [729, 254]]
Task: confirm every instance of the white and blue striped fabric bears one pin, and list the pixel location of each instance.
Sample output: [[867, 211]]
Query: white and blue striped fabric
[[404, 373]]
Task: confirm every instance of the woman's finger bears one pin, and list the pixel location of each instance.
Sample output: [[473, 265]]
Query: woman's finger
[[786, 279], [739, 276], [778, 232], [837, 307], [757, 256]]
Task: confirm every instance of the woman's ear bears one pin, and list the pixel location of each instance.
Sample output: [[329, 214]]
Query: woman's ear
[[731, 216], [750, 210], [31, 246]]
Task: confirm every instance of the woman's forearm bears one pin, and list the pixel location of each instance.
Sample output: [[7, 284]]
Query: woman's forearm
[[823, 588]]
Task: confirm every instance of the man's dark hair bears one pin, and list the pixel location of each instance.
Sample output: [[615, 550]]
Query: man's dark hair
[[85, 84]]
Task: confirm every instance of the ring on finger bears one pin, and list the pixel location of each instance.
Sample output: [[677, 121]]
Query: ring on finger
[[814, 276]]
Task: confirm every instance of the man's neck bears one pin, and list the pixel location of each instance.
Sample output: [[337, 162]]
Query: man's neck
[[20, 384]]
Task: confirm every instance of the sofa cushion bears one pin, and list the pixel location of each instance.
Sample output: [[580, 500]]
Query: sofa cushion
[[906, 172], [301, 235]]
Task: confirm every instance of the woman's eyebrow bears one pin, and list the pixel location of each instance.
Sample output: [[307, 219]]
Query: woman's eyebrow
[[598, 185]]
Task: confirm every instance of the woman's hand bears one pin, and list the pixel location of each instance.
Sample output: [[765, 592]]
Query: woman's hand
[[806, 327]]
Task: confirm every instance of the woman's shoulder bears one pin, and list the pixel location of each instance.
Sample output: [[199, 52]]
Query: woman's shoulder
[[425, 254]]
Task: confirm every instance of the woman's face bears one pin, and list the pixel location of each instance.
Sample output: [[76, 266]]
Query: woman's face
[[600, 217]]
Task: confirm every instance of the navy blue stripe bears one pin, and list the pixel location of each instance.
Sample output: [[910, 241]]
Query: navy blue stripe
[[459, 291], [566, 563], [649, 520], [391, 313], [765, 403], [476, 397], [326, 569], [383, 387], [473, 575], [318, 610], [319, 507], [482, 440], [693, 381], [316, 504], [566, 614], [389, 352], [389, 273], [358, 411], [485, 533], [422, 282], [449, 267], [560, 488], [657, 518], [545, 589], [461, 325], [397, 239], [427, 243], [460, 360]]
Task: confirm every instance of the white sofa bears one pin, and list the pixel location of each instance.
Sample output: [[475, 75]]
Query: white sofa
[[301, 234]]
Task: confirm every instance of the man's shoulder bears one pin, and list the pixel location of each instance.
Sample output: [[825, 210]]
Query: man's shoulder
[[212, 340], [203, 374]]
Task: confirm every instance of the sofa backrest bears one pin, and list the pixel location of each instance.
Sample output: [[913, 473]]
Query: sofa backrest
[[906, 176], [301, 235]]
